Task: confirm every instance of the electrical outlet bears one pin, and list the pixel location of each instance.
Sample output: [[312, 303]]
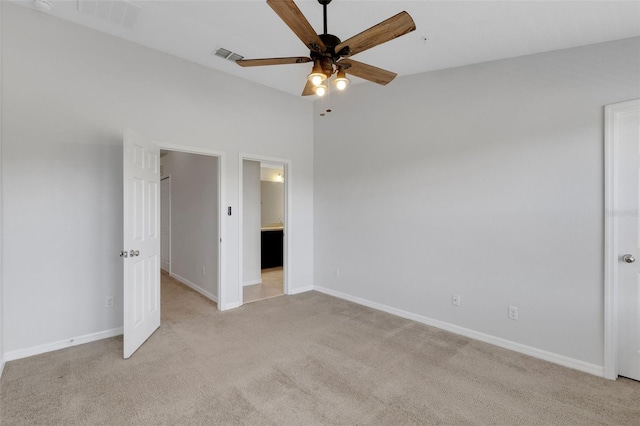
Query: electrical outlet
[[455, 299], [336, 272], [513, 313], [108, 302], [203, 271]]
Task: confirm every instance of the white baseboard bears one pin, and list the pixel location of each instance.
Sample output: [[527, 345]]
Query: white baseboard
[[195, 287], [1, 366], [252, 282], [596, 370], [300, 290], [61, 344]]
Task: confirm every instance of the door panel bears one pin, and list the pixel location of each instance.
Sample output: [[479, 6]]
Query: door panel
[[141, 177], [627, 126]]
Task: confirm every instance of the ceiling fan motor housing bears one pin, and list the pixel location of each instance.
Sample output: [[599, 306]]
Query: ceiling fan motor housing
[[329, 57], [331, 42]]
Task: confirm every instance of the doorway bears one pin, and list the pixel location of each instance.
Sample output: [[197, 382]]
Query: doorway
[[622, 240], [190, 217], [264, 217]]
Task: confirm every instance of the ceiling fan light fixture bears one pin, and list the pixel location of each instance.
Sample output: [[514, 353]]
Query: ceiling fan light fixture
[[317, 77], [341, 82], [320, 90], [327, 50]]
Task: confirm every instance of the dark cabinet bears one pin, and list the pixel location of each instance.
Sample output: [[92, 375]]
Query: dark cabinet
[[271, 249]]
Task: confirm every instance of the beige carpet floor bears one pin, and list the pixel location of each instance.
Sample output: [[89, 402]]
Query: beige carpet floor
[[271, 286], [308, 359]]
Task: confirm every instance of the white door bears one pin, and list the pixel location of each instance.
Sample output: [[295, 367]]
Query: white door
[[165, 220], [627, 214], [141, 255]]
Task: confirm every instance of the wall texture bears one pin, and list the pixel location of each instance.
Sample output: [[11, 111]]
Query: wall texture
[[251, 223], [485, 181], [68, 94], [194, 218]]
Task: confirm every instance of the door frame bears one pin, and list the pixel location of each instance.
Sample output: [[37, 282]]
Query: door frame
[[611, 262], [168, 179], [221, 207], [286, 255]]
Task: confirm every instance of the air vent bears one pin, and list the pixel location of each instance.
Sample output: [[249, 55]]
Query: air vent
[[227, 54], [118, 12]]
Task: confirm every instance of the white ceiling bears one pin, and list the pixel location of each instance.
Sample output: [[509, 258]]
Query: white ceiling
[[449, 33]]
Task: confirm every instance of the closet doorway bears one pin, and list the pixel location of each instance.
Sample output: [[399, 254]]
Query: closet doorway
[[190, 221]]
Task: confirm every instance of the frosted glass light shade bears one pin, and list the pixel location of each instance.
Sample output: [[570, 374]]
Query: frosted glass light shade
[[320, 90], [317, 78], [341, 82]]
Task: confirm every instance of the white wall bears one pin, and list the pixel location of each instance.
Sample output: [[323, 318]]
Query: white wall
[[69, 93], [271, 174], [252, 256], [194, 219], [272, 202], [485, 181], [1, 208]]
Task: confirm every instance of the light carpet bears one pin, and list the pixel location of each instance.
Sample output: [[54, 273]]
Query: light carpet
[[308, 359]]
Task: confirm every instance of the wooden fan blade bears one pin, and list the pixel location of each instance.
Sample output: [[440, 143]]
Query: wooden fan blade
[[291, 15], [394, 27], [368, 72], [308, 89], [272, 61]]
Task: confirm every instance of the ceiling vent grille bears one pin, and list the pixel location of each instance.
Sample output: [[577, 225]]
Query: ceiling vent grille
[[227, 54], [119, 12]]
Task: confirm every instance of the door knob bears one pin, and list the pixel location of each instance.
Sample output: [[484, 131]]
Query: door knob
[[134, 253], [628, 258], [124, 254]]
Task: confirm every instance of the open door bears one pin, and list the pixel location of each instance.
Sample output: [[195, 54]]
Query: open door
[[626, 122], [141, 255]]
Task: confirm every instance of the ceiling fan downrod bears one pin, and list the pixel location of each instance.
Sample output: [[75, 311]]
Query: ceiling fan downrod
[[324, 7], [329, 40], [324, 4]]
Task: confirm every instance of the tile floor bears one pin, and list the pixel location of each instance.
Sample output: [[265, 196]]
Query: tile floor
[[272, 286]]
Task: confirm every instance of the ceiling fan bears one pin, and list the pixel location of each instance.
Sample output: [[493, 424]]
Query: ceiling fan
[[331, 55]]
